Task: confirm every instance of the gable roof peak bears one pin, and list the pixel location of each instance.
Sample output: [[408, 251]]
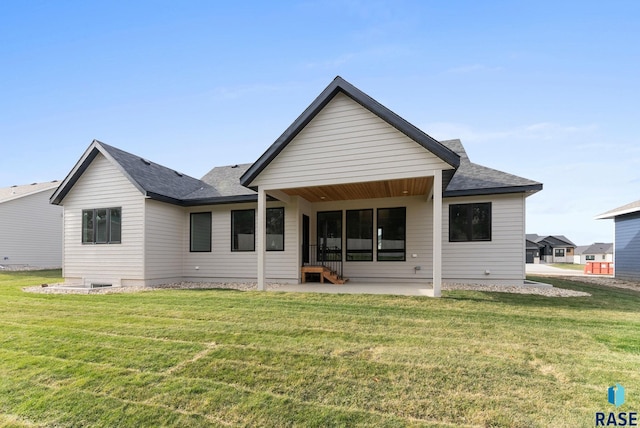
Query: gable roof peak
[[151, 179], [341, 85]]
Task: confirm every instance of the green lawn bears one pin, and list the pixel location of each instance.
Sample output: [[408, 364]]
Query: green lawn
[[570, 266], [192, 358]]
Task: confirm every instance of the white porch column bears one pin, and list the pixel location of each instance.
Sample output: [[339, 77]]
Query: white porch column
[[261, 237], [437, 232]]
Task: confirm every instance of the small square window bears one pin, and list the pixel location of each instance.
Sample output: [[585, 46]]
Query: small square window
[[470, 222], [102, 226]]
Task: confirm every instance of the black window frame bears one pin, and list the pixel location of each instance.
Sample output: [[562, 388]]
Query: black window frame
[[234, 241], [271, 224], [92, 238], [380, 236], [208, 216], [468, 227], [330, 254], [358, 255], [559, 252]]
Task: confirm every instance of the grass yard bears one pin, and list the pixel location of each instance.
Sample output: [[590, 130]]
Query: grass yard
[[570, 266], [193, 358]]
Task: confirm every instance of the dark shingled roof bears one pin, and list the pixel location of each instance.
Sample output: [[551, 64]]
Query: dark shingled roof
[[227, 184], [226, 179], [596, 248], [153, 180], [552, 240], [474, 179], [157, 181]]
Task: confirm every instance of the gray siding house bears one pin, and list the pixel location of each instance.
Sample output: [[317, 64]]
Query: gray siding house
[[626, 241], [349, 191], [30, 228], [597, 252]]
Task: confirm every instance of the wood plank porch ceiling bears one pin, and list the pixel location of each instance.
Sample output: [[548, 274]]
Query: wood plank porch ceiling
[[368, 190]]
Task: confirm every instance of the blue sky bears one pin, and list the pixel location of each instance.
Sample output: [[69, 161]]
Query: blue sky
[[545, 90]]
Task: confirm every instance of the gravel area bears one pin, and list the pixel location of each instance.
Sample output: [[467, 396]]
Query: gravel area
[[248, 286], [63, 289], [518, 289], [19, 268]]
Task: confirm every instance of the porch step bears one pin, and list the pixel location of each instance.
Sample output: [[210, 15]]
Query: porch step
[[325, 273]]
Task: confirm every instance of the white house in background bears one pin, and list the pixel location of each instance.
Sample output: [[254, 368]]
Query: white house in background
[[598, 252], [30, 227], [350, 190], [627, 240]]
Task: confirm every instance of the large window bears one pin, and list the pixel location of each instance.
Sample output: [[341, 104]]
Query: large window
[[275, 229], [360, 235], [330, 235], [243, 230], [470, 222], [392, 234], [559, 252], [200, 232], [102, 226]]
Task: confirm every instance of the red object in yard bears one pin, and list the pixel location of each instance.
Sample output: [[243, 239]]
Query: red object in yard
[[599, 268]]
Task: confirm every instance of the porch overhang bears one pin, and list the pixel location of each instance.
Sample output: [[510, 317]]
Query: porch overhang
[[367, 190]]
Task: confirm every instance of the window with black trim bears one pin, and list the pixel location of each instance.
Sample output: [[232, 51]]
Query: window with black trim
[[243, 230], [275, 229], [392, 234], [559, 252], [360, 235], [200, 232], [102, 226], [330, 235], [591, 257], [470, 222]]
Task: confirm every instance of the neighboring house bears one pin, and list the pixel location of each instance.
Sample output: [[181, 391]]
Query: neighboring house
[[553, 248], [626, 240], [30, 228], [349, 182], [598, 252]]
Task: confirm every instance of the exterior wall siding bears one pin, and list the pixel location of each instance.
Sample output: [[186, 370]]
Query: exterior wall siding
[[165, 241], [31, 231], [103, 186], [627, 247], [222, 264], [503, 257], [346, 143]]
